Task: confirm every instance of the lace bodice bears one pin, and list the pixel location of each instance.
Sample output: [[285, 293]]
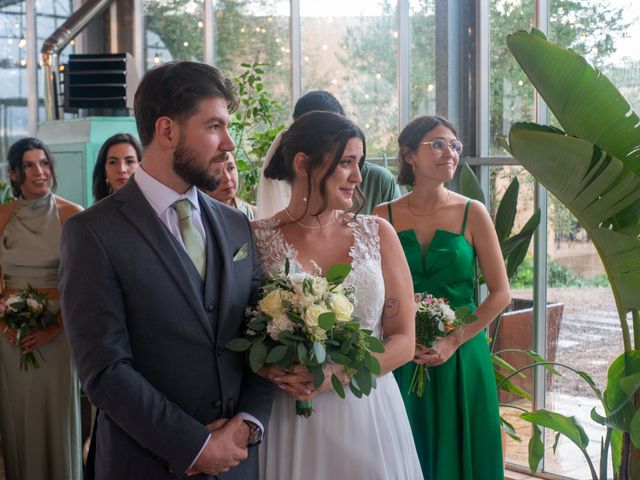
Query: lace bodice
[[366, 269]]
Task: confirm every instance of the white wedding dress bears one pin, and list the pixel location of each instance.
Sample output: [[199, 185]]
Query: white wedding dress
[[365, 439]]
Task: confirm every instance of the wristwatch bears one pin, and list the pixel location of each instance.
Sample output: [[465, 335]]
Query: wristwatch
[[255, 434]]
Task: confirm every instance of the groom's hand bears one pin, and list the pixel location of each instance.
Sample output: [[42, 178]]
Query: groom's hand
[[221, 451]]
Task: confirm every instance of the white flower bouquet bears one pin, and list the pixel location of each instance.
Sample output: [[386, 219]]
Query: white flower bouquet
[[304, 319], [27, 311]]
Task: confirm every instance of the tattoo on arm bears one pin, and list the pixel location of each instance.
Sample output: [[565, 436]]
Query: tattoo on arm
[[391, 308]]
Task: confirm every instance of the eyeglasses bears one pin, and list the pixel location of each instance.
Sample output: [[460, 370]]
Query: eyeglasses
[[439, 144]]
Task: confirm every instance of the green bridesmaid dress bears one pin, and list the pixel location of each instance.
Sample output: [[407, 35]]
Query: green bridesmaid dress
[[456, 423]]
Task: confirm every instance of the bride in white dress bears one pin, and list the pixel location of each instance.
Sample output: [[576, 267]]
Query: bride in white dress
[[368, 438]]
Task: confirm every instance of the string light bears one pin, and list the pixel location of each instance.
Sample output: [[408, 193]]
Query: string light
[[10, 41], [186, 44], [242, 30], [378, 76], [334, 81], [430, 87], [324, 47], [306, 59], [61, 68], [394, 34], [22, 42], [157, 59], [200, 24], [23, 62], [72, 42]]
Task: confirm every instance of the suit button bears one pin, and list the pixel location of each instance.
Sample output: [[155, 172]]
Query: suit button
[[211, 308], [217, 404]]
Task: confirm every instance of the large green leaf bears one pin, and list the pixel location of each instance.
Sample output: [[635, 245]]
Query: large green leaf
[[470, 185], [593, 186], [617, 402], [567, 426], [506, 214], [584, 101]]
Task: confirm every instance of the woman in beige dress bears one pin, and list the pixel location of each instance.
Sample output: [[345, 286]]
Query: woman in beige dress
[[39, 408]]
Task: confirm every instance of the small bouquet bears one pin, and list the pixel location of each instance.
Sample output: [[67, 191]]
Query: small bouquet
[[27, 311], [304, 319], [434, 319]]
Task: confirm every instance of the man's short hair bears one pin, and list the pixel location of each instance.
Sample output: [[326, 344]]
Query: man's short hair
[[317, 100], [175, 90]]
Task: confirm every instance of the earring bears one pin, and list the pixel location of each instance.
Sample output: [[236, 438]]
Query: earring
[[304, 199], [109, 189]]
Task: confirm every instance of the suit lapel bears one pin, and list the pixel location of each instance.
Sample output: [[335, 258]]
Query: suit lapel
[[216, 221], [137, 210]]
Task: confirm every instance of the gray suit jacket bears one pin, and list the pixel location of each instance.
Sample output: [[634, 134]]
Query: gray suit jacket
[[148, 337]]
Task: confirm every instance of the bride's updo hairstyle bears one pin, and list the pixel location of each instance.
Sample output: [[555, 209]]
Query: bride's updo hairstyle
[[318, 135], [409, 142]]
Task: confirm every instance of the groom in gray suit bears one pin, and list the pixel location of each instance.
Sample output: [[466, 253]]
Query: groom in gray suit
[[154, 281]]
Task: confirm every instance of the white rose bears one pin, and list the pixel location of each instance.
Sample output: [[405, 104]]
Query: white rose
[[34, 305], [13, 299], [342, 307], [312, 313], [271, 304]]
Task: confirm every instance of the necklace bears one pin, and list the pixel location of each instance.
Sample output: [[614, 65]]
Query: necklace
[[430, 213], [310, 227]]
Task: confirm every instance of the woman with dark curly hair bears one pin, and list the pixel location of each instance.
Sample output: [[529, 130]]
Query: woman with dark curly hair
[[39, 408], [118, 158]]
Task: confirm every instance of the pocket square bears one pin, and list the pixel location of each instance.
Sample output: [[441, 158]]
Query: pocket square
[[242, 253]]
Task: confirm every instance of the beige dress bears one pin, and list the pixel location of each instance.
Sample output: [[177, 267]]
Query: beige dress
[[39, 409]]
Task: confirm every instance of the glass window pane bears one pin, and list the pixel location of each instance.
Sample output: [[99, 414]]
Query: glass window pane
[[511, 96], [423, 57], [173, 31], [353, 54], [257, 31], [588, 339], [515, 327]]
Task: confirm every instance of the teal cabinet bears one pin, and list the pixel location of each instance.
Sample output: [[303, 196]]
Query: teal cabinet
[[75, 145]]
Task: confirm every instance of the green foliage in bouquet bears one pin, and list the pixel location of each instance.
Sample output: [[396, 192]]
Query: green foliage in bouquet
[[306, 320], [593, 168]]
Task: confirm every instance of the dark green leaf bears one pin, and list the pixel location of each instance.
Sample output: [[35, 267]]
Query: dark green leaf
[[634, 429], [363, 377], [327, 320], [337, 273], [506, 214], [303, 354], [337, 386], [470, 186], [509, 430], [238, 344], [340, 358], [375, 345], [567, 426], [257, 355], [318, 375], [276, 354], [353, 386], [536, 448]]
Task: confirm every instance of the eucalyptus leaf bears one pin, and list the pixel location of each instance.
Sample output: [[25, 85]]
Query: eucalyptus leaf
[[337, 386], [327, 320], [375, 345], [337, 273], [276, 354], [257, 355], [238, 344], [340, 358], [318, 375], [303, 353], [353, 386], [320, 352]]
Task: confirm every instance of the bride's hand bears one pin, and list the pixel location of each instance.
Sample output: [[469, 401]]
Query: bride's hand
[[329, 370], [298, 381]]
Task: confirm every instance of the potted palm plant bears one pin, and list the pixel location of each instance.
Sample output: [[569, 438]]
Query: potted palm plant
[[593, 167]]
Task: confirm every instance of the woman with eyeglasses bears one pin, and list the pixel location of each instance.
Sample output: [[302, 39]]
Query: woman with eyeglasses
[[456, 423]]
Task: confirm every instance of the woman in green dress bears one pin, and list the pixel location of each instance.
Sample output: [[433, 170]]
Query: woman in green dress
[[456, 423]]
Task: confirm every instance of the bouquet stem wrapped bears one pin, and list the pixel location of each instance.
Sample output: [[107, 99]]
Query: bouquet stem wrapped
[[304, 319]]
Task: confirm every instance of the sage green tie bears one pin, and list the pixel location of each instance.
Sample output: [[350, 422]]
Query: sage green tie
[[193, 243]]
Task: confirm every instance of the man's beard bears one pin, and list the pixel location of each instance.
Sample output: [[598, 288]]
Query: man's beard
[[187, 166]]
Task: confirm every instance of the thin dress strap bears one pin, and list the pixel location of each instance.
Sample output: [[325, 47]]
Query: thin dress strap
[[464, 220], [390, 215]]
